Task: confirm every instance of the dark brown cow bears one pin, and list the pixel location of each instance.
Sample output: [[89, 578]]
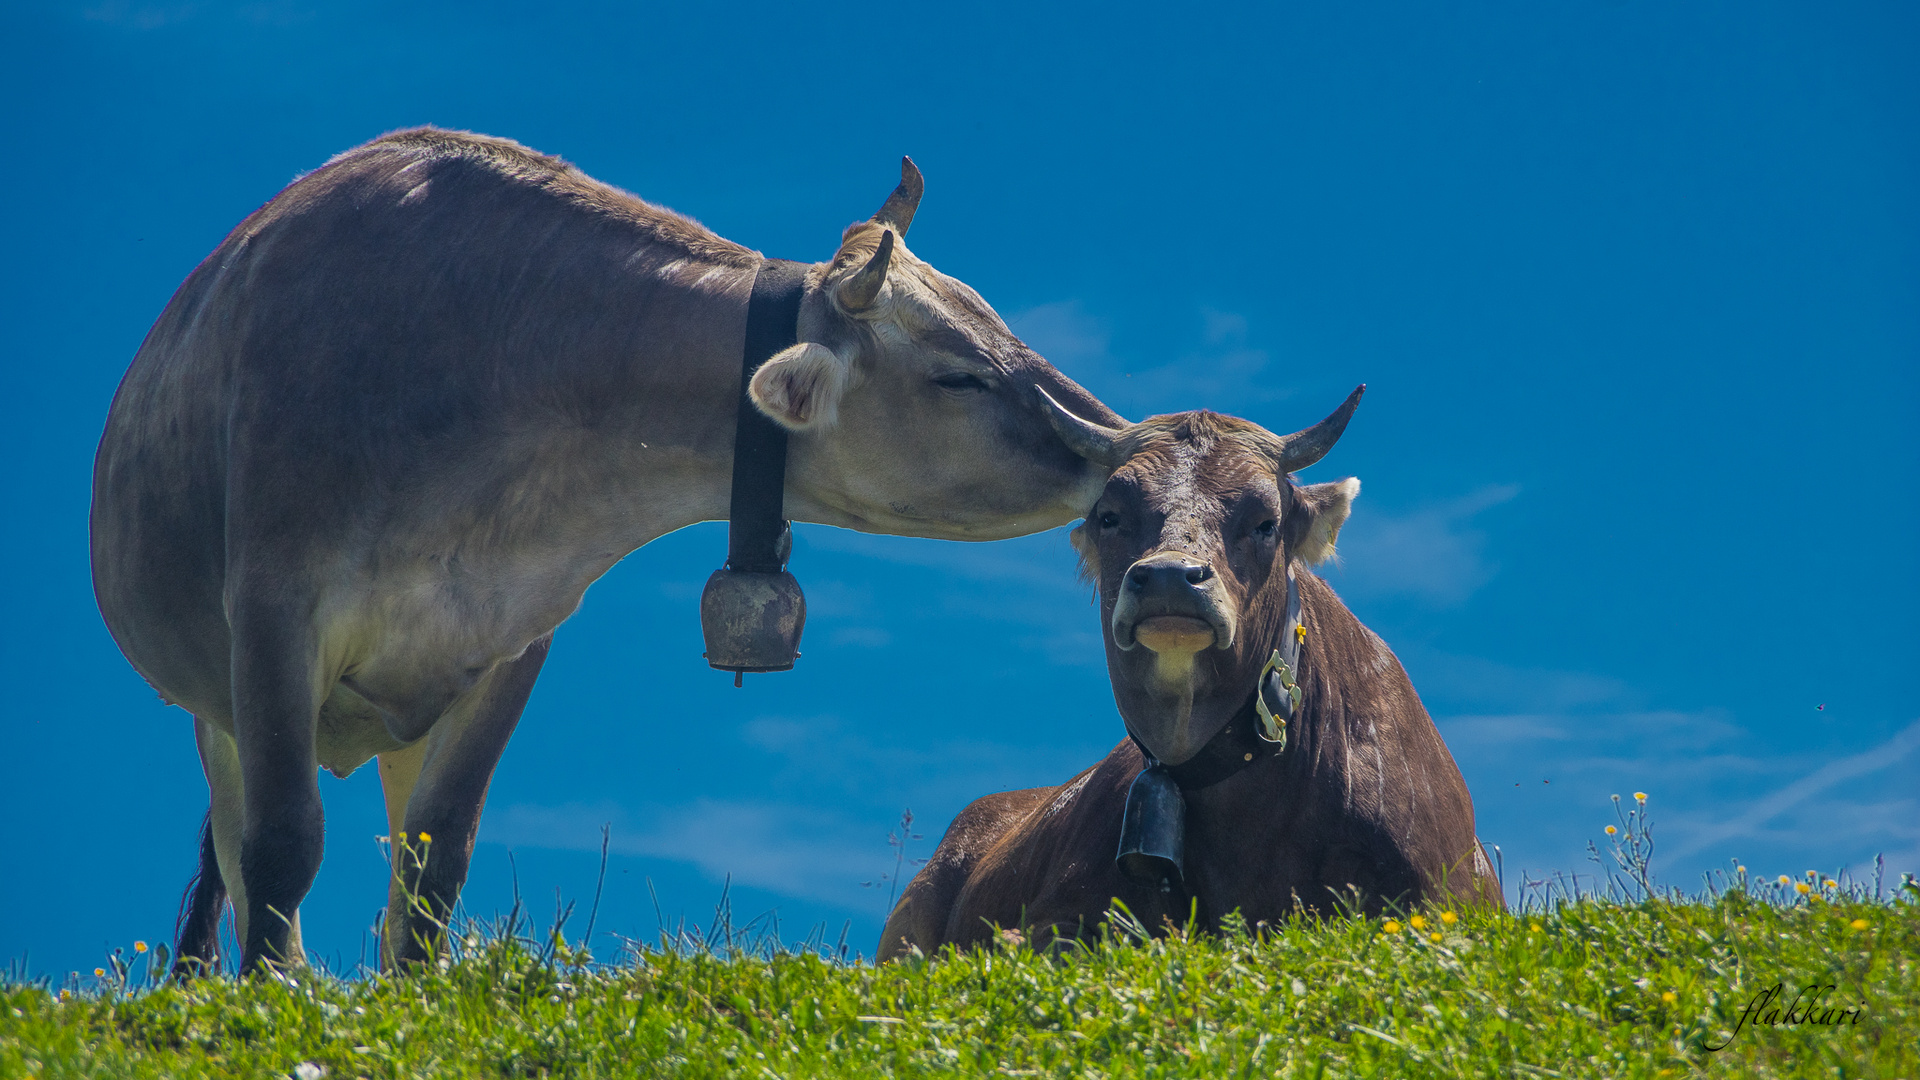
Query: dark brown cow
[[1192, 545]]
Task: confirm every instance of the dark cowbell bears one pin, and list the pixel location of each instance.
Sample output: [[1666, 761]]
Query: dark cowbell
[[752, 618], [1153, 834], [752, 621]]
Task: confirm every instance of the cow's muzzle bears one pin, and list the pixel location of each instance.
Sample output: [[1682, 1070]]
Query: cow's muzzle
[[1172, 603]]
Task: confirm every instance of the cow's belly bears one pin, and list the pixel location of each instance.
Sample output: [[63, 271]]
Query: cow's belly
[[414, 649], [349, 733]]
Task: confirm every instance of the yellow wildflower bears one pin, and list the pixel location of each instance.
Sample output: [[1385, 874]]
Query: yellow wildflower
[[1611, 830], [1418, 922], [425, 838], [1785, 880], [1449, 918], [1802, 888], [1669, 997], [1434, 937], [1639, 796], [99, 972], [1858, 924], [1831, 884], [1535, 927], [139, 946], [66, 995], [1390, 926]]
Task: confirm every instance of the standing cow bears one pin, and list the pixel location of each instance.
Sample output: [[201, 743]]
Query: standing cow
[[381, 441], [1199, 546]]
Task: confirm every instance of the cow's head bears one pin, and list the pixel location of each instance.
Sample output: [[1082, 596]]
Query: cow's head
[[1188, 544], [911, 404]]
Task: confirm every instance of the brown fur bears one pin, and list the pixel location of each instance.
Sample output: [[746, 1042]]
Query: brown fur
[[1365, 796]]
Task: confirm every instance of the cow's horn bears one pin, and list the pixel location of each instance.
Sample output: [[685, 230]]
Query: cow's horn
[[897, 214], [859, 291], [1097, 444], [1303, 448]]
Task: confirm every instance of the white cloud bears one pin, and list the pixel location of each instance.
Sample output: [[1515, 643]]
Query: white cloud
[[918, 771], [1776, 803], [1434, 553], [799, 851], [1224, 371], [1064, 333]]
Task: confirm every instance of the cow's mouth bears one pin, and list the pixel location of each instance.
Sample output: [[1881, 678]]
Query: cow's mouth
[[1174, 634]]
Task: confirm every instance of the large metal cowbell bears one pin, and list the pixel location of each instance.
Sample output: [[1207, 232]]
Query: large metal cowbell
[[752, 611], [1153, 833]]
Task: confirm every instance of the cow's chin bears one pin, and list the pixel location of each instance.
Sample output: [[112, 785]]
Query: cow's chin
[[1165, 699]]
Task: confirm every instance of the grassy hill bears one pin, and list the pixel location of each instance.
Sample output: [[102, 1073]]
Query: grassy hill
[[1588, 988]]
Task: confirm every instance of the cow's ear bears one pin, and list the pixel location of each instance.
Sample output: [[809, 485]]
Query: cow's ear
[[801, 386], [1082, 541], [1324, 508]]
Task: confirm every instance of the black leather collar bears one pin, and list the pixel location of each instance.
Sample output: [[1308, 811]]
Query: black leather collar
[[758, 536]]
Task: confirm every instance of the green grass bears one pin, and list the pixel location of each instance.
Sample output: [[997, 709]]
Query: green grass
[[1573, 991]]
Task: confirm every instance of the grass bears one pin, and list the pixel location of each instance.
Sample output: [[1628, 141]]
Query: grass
[[1586, 988]]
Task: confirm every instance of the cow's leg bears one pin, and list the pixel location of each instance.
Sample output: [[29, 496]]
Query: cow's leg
[[275, 706], [226, 811], [196, 939], [447, 799], [399, 772]]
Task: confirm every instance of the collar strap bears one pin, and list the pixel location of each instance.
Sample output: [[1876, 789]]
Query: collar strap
[[758, 536], [1259, 728]]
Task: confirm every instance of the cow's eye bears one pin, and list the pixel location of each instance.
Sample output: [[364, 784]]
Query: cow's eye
[[1266, 529], [960, 382], [1109, 520]]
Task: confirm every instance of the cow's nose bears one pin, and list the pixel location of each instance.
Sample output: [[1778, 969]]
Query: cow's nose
[[1167, 575]]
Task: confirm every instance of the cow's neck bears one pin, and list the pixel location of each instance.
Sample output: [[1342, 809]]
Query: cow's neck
[[1264, 807], [666, 459]]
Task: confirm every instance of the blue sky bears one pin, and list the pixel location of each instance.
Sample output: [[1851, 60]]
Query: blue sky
[[1633, 287]]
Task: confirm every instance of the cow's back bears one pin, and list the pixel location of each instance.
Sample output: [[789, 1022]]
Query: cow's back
[[372, 340]]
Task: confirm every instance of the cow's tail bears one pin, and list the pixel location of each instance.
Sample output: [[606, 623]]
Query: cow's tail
[[196, 932]]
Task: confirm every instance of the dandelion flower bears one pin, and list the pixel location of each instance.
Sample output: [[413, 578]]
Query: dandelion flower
[[425, 838], [1449, 918], [1858, 924], [1802, 888], [1669, 997], [1418, 922], [1535, 927], [1611, 830], [1831, 884], [139, 946], [1434, 937], [1741, 870], [1785, 880], [99, 973], [1639, 796], [1390, 926]]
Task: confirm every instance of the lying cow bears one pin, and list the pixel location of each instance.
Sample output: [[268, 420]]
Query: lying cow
[[381, 441], [1257, 707]]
